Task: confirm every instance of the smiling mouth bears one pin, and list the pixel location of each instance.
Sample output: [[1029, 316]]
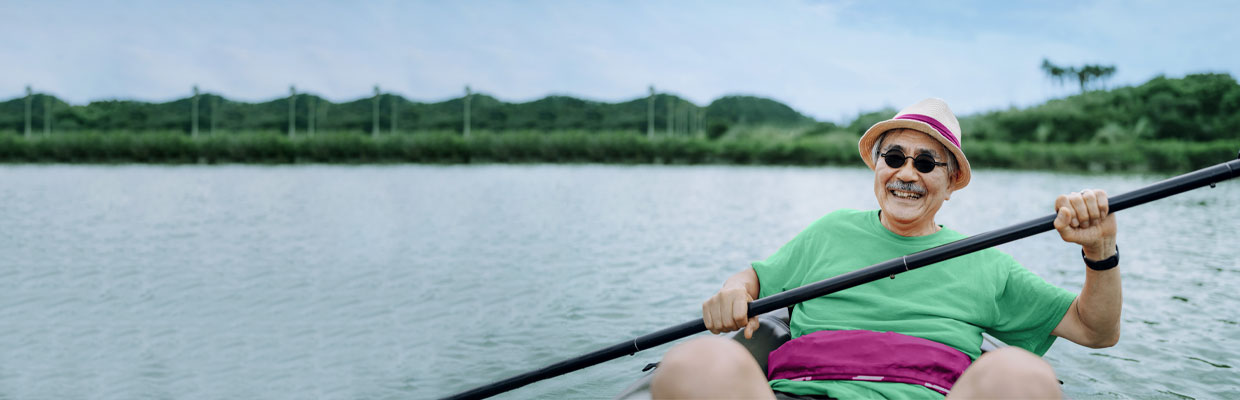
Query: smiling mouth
[[905, 195]]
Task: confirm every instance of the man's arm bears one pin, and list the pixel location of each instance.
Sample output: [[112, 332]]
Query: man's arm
[[728, 309], [1093, 319]]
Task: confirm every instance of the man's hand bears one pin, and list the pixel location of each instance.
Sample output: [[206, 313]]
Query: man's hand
[[728, 310], [1085, 219]]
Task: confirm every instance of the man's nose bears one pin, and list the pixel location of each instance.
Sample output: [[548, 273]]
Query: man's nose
[[906, 172]]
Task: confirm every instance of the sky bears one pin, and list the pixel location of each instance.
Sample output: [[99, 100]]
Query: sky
[[828, 59]]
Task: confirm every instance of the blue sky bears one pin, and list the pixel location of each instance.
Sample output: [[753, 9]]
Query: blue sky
[[828, 59]]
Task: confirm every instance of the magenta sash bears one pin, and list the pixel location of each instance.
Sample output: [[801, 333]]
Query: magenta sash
[[868, 356]]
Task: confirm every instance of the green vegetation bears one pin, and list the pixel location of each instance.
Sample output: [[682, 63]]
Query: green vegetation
[[754, 147], [552, 113], [1203, 107], [1164, 125]]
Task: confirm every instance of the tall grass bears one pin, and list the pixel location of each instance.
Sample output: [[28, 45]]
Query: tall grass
[[769, 148], [1149, 156]]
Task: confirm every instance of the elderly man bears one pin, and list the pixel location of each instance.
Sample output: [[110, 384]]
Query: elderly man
[[918, 335]]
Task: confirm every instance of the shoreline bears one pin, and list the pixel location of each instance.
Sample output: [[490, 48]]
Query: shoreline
[[576, 147]]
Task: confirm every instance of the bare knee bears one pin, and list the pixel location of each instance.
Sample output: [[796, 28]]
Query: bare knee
[[1008, 372], [710, 367]]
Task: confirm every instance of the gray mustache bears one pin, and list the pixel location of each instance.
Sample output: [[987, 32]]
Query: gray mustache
[[906, 187]]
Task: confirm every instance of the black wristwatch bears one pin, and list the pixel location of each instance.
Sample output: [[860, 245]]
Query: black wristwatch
[[1104, 264]]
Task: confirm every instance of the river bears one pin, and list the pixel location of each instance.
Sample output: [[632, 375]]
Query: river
[[414, 281]]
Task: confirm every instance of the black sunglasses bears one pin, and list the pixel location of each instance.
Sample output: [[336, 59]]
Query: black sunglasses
[[923, 162]]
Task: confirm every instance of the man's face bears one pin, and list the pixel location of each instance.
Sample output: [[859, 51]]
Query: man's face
[[907, 196]]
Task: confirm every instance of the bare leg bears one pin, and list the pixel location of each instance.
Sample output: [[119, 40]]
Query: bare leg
[[1007, 373], [712, 367]]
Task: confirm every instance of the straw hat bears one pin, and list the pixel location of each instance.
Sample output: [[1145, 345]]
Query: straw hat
[[932, 117]]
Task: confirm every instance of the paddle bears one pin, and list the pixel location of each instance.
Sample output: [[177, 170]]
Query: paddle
[[1192, 180]]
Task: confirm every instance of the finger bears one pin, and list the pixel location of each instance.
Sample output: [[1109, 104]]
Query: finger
[[1063, 219], [726, 323], [706, 317], [1070, 214], [1079, 212], [751, 327], [1061, 201], [1104, 203], [739, 310], [1091, 205]]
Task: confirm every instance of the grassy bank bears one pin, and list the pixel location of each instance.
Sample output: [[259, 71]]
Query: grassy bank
[[581, 147]]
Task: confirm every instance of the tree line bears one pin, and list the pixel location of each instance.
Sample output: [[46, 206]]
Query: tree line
[[1197, 107], [386, 112]]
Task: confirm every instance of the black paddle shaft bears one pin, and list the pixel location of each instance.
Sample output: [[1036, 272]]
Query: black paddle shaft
[[1192, 180]]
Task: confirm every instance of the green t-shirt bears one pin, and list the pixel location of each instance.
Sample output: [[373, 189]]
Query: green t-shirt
[[951, 302]]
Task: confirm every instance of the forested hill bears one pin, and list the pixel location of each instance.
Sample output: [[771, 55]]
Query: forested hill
[[486, 113], [1198, 107]]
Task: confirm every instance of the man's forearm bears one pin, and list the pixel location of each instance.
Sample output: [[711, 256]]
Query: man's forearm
[[1101, 299]]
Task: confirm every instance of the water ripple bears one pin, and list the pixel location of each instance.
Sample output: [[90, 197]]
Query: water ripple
[[134, 282]]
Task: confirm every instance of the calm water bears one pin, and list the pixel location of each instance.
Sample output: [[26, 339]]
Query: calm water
[[133, 282]]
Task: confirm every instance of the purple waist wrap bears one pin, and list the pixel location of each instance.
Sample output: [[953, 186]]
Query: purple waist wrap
[[868, 356]]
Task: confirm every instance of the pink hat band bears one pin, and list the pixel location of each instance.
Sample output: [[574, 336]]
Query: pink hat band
[[934, 123]]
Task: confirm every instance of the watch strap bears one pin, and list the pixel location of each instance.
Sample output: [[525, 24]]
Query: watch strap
[[1103, 264]]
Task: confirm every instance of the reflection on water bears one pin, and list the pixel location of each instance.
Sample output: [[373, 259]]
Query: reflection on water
[[419, 281]]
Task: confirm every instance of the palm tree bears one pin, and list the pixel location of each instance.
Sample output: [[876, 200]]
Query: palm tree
[[1094, 73], [1084, 74], [1056, 73]]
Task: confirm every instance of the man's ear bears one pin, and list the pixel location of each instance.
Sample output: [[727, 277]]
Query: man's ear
[[951, 182]]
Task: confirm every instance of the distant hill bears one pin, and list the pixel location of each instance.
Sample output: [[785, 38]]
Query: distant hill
[[486, 113], [1198, 107], [753, 110]]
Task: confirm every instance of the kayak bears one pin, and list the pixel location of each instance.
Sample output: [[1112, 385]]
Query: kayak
[[772, 332]]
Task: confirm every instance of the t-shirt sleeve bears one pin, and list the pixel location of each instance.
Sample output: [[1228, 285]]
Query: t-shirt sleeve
[[1029, 308], [782, 270]]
